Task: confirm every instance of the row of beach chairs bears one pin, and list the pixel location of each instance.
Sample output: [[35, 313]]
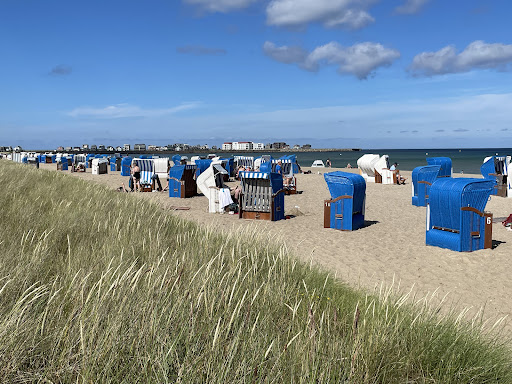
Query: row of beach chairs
[[455, 216]]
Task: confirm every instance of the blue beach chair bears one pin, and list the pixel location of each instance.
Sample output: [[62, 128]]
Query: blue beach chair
[[115, 163], [63, 163], [444, 162], [455, 214], [202, 165], [182, 181], [345, 211], [422, 179], [126, 163]]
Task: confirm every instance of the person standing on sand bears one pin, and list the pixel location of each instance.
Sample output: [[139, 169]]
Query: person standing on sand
[[328, 163], [135, 177], [278, 167]]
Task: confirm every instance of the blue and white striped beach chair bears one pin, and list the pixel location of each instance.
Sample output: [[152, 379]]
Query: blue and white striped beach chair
[[262, 196], [147, 173], [288, 164], [244, 161]]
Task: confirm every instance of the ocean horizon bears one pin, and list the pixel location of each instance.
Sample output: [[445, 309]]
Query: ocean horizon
[[464, 160]]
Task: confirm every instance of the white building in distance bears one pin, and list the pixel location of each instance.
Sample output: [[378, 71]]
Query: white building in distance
[[242, 146]]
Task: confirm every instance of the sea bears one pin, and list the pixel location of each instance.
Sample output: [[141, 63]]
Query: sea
[[463, 160]]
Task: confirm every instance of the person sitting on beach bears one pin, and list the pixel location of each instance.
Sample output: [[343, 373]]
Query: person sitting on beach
[[287, 178], [240, 169], [235, 193], [80, 167], [279, 169], [122, 188], [400, 180], [393, 167]]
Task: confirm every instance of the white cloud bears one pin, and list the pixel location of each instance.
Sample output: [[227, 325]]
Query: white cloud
[[477, 55], [351, 14], [359, 60], [284, 54], [126, 110], [221, 5], [411, 6]]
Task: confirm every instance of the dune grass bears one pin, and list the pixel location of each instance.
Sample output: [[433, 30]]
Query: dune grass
[[104, 287]]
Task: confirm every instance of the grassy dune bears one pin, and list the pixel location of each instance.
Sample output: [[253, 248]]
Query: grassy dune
[[99, 286]]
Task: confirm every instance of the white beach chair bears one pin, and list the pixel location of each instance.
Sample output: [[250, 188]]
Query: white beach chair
[[211, 184], [99, 166]]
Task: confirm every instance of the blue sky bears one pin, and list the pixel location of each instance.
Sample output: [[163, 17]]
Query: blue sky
[[333, 73]]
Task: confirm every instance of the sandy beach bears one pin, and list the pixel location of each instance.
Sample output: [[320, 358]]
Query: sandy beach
[[391, 248]]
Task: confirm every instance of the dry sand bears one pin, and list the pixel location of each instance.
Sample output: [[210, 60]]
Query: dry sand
[[390, 248]]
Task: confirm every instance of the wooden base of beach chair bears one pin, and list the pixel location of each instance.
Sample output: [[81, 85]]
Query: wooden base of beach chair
[[291, 189], [146, 188], [488, 230], [256, 215], [328, 205]]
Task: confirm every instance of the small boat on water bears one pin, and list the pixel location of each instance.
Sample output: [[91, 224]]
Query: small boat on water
[[318, 163]]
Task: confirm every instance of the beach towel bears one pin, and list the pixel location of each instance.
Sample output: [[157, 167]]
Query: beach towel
[[224, 197]]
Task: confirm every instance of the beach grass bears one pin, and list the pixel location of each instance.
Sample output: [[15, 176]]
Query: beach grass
[[98, 286]]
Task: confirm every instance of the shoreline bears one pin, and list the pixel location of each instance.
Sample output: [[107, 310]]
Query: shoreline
[[193, 151]]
